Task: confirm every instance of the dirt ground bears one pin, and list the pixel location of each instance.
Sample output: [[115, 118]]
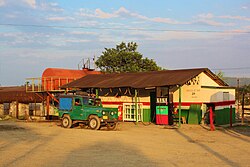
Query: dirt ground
[[47, 144]]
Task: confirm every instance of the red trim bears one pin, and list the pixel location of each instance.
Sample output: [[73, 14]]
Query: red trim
[[222, 103], [225, 103], [112, 102], [186, 103], [121, 103]]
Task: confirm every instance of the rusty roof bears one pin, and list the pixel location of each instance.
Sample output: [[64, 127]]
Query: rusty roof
[[142, 79], [17, 93]]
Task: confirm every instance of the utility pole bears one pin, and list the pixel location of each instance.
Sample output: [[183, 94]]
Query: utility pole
[[136, 106], [243, 108], [179, 106], [94, 60], [238, 95]]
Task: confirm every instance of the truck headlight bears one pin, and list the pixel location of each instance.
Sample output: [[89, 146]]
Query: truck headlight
[[103, 112], [112, 113]]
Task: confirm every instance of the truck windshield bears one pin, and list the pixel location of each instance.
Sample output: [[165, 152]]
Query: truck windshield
[[98, 102], [94, 102], [91, 102]]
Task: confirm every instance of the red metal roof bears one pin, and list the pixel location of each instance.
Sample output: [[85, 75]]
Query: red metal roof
[[141, 79]]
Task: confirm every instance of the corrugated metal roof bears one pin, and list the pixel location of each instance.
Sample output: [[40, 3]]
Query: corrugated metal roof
[[17, 93], [141, 79]]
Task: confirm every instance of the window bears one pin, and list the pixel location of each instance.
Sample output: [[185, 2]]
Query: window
[[85, 100], [6, 108], [91, 102], [98, 102], [78, 102], [33, 108]]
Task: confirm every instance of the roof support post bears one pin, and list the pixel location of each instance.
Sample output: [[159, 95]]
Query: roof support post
[[179, 106], [48, 105], [136, 106], [17, 109], [96, 93], [33, 85], [170, 108], [243, 108]]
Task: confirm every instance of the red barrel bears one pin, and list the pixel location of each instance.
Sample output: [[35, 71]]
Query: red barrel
[[53, 78]]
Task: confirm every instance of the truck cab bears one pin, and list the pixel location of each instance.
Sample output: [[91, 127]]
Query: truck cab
[[86, 110]]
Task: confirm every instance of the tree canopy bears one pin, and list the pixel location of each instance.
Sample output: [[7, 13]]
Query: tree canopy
[[125, 58]]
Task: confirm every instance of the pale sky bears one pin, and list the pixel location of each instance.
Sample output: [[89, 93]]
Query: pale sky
[[177, 34]]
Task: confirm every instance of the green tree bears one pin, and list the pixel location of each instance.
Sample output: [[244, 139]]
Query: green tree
[[244, 90], [125, 58]]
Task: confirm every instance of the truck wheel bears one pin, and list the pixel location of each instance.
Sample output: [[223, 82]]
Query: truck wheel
[[112, 126], [66, 121], [94, 123]]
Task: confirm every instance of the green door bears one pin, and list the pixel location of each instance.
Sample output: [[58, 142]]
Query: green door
[[78, 111]]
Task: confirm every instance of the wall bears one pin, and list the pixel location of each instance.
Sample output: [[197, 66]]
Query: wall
[[206, 80], [115, 97], [204, 90], [114, 102], [1, 110], [12, 111], [222, 116], [36, 109], [23, 110], [42, 110]]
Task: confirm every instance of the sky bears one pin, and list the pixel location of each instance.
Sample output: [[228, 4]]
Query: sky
[[177, 34]]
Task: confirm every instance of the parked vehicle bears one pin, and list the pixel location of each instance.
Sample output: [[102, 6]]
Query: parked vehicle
[[87, 111]]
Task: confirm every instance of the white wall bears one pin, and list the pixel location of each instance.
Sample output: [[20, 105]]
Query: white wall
[[123, 99], [206, 80], [198, 93]]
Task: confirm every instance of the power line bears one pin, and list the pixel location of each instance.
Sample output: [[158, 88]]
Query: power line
[[233, 68], [121, 28]]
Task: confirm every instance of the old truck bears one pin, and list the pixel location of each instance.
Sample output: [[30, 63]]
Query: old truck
[[84, 110]]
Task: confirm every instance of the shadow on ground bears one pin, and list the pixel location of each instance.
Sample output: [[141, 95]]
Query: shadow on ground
[[108, 154], [237, 132], [11, 128], [242, 129]]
